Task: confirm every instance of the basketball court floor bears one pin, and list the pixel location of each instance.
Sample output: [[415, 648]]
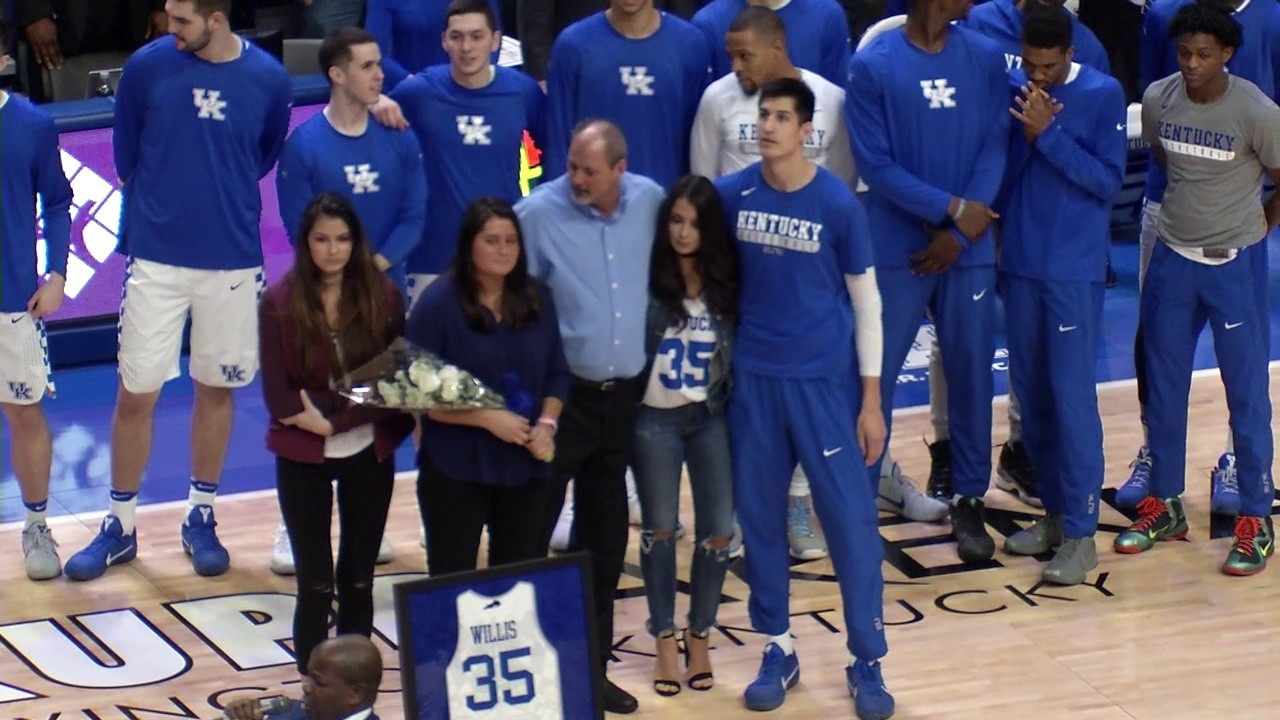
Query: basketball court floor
[[1159, 635]]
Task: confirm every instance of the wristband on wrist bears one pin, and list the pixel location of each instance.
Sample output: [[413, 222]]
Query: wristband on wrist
[[550, 422], [959, 210]]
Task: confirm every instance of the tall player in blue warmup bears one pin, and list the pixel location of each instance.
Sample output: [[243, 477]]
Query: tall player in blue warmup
[[407, 30], [1002, 22], [343, 150], [927, 113], [200, 117], [639, 68], [806, 274], [1251, 61], [470, 117], [1217, 136], [817, 34], [30, 168], [1066, 163]]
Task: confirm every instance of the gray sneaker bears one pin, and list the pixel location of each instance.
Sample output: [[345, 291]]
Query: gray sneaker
[[40, 552], [898, 495], [804, 540], [1072, 564], [1046, 533]]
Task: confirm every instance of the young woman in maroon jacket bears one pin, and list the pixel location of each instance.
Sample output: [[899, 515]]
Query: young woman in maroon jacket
[[331, 313]]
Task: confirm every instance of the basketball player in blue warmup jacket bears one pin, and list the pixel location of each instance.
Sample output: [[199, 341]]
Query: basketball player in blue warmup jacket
[[1066, 163], [407, 32], [641, 69], [806, 273], [30, 167], [200, 117], [470, 117], [1002, 21], [1251, 61], [817, 34], [927, 112], [1217, 135], [343, 150]]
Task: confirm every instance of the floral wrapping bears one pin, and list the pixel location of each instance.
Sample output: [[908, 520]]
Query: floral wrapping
[[406, 377]]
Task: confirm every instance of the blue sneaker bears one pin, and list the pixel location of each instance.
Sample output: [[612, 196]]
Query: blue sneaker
[[110, 547], [779, 672], [200, 541], [871, 700], [1224, 498], [1138, 486]]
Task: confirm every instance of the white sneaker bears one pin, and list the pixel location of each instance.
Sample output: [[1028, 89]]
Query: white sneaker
[[282, 553], [801, 535], [561, 536], [633, 500], [385, 552], [898, 495]]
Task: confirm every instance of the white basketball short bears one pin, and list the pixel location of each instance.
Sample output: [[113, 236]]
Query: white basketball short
[[415, 283], [223, 306], [25, 375]]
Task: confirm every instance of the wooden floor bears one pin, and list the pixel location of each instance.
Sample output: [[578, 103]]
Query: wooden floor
[[1161, 635]]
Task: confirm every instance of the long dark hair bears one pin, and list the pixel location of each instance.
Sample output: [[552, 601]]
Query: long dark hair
[[716, 262], [362, 330], [519, 293]]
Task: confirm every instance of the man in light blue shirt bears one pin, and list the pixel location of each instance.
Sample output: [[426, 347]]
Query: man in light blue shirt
[[587, 234]]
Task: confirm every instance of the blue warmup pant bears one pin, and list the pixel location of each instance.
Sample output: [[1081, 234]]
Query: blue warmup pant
[[1055, 329], [962, 304], [773, 422], [1178, 297]]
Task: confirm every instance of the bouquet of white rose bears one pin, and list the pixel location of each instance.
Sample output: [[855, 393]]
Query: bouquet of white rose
[[406, 377]]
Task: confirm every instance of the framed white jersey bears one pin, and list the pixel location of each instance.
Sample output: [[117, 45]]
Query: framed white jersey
[[508, 643]]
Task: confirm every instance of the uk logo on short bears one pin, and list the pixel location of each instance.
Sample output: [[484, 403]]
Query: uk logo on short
[[636, 79], [473, 130], [362, 178], [209, 104], [938, 94]]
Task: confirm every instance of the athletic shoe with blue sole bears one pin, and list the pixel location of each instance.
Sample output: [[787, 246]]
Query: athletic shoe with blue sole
[[779, 672], [200, 541], [871, 699], [110, 547]]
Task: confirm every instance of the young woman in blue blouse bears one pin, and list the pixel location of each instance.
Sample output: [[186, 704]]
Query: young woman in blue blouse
[[488, 316], [693, 284]]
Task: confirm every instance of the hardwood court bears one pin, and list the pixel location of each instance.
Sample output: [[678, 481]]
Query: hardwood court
[[1159, 635]]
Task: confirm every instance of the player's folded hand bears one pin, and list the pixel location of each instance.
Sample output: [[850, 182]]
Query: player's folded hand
[[48, 298], [871, 433], [940, 253]]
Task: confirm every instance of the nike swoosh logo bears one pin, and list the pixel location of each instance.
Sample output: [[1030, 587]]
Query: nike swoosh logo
[[900, 504], [1120, 127], [1232, 326], [237, 286], [1067, 328], [15, 319], [978, 296], [113, 557], [828, 453], [748, 191]]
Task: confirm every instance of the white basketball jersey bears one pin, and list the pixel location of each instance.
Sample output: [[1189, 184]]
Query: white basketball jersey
[[503, 667]]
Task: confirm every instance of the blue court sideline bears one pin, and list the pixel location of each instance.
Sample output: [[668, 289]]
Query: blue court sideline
[[80, 417]]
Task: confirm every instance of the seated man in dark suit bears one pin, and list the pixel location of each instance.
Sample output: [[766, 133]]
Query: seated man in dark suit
[[342, 681]]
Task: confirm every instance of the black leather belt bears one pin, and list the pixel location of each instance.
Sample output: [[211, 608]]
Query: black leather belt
[[602, 386]]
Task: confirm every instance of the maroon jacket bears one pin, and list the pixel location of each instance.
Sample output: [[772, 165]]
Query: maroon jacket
[[283, 376]]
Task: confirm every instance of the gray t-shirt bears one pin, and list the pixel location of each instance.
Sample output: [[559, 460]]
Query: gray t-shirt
[[1217, 154]]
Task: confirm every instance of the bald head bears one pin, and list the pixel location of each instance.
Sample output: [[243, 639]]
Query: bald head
[[595, 133], [356, 659]]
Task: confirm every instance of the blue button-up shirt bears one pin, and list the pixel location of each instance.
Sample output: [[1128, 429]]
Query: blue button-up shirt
[[597, 269]]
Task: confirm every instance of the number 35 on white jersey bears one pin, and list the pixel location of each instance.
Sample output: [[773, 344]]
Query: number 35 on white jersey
[[503, 667]]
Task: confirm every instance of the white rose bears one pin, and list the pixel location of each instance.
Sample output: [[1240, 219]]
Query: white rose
[[449, 392], [449, 375], [424, 378], [390, 393]]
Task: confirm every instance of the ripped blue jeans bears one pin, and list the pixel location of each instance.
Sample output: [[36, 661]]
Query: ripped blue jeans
[[665, 441]]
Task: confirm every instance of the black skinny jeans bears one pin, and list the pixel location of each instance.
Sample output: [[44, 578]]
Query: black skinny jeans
[[306, 502]]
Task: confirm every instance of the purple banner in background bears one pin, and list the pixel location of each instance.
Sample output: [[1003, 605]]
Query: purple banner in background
[[94, 270]]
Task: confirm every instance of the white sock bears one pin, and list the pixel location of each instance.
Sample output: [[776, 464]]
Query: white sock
[[853, 660], [201, 493], [784, 642], [1231, 443], [1145, 439], [35, 517], [123, 507]]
